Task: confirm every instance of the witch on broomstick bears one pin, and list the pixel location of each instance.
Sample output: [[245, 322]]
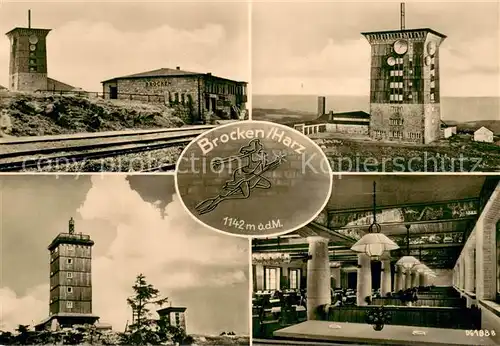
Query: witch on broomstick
[[248, 176]]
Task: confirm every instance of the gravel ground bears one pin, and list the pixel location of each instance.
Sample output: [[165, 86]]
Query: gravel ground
[[125, 163]]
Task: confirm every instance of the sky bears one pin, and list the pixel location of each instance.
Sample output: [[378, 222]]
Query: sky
[[316, 47], [139, 226], [97, 40]]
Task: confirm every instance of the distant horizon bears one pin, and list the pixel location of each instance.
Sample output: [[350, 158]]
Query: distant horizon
[[341, 95], [453, 108]]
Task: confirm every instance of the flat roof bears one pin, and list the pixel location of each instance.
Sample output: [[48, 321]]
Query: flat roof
[[32, 29], [168, 72], [71, 238], [171, 309], [405, 31]]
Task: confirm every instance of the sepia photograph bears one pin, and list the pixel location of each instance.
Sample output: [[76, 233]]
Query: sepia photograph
[[391, 260], [117, 86], [383, 86], [115, 260]]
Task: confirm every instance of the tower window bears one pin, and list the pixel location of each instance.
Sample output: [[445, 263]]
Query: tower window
[[432, 97], [32, 68], [410, 97], [70, 289], [69, 261], [69, 275], [410, 83], [396, 122], [33, 61], [69, 305]]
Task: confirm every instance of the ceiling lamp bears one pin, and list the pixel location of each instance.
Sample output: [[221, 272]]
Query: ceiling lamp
[[270, 258], [374, 243], [407, 262], [421, 268]]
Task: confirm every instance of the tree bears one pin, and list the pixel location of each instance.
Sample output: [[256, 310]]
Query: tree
[[144, 294], [144, 329]]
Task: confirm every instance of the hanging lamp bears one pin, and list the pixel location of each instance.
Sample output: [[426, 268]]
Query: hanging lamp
[[407, 262], [374, 243]]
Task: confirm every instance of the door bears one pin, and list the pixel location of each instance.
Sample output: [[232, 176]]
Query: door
[[113, 92], [214, 104]]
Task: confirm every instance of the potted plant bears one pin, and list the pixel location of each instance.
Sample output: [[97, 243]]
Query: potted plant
[[378, 318]]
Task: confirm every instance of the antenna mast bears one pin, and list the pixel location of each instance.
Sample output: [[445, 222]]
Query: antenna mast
[[29, 19], [402, 16]]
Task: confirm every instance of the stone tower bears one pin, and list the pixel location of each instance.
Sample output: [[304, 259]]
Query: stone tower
[[404, 88], [70, 280], [28, 58]]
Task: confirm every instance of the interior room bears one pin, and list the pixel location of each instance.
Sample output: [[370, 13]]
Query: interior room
[[390, 260]]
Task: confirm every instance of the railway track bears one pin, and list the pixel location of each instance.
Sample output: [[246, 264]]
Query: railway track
[[37, 152]]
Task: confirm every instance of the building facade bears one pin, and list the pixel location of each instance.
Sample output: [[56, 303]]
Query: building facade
[[405, 86], [198, 93], [483, 135], [175, 316], [70, 280], [28, 61]]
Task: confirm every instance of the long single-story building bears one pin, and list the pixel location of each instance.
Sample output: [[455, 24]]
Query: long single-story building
[[199, 93], [355, 122]]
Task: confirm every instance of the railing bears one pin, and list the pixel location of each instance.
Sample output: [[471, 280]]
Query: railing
[[159, 98], [73, 236]]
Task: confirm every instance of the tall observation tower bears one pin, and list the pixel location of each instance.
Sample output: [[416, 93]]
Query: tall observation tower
[[404, 88], [70, 281], [28, 58]]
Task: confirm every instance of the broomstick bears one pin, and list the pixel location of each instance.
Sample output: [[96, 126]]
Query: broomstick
[[212, 203]]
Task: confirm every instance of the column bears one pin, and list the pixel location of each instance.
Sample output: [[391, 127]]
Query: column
[[469, 268], [400, 279], [385, 278], [364, 282], [336, 275], [318, 276], [423, 279], [462, 272], [407, 279], [415, 279]]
